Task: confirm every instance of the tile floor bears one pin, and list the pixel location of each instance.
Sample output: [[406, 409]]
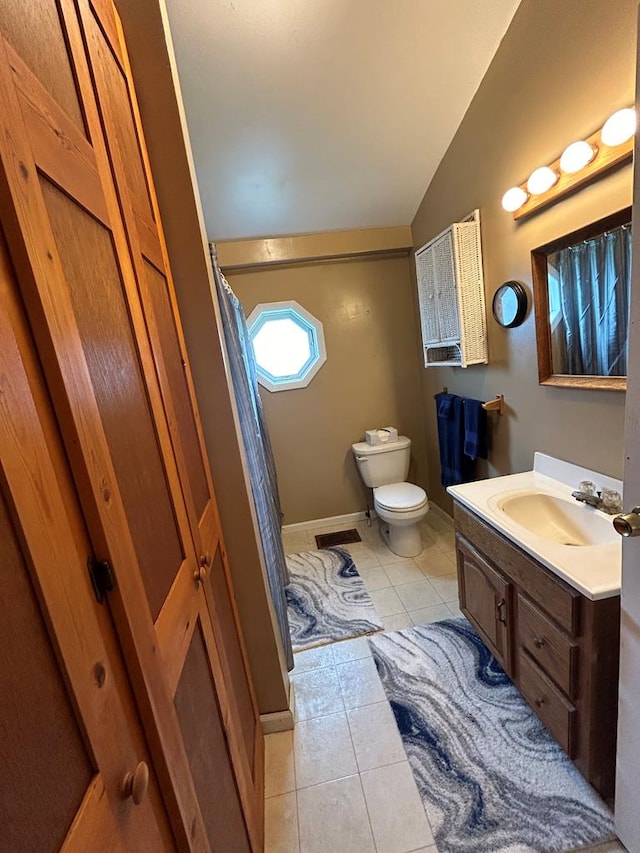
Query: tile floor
[[341, 781]]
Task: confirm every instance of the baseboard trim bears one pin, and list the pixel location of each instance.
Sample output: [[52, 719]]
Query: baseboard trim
[[280, 721], [326, 522], [441, 514]]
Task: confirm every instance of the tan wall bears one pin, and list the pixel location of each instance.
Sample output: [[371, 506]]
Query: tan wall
[[561, 69], [370, 378]]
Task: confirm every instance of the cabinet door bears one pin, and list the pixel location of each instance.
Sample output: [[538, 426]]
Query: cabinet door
[[70, 733], [427, 296], [69, 245], [485, 598], [446, 288], [134, 184]]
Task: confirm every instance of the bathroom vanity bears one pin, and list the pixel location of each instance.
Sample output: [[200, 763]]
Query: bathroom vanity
[[547, 603]]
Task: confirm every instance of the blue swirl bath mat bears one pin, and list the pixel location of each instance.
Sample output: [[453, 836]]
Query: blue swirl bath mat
[[326, 599], [492, 780]]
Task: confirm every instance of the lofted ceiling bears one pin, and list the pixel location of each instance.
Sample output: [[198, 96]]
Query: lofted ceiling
[[319, 115]]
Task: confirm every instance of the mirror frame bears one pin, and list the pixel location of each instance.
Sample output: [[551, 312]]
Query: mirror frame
[[541, 306]]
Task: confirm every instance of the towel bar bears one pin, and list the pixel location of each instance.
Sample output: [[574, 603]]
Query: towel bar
[[496, 405]]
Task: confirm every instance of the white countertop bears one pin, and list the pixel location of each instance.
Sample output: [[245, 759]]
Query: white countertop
[[594, 570]]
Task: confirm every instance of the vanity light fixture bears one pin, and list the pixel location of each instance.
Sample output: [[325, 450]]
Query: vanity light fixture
[[514, 198], [541, 180], [619, 127], [581, 161], [576, 156]]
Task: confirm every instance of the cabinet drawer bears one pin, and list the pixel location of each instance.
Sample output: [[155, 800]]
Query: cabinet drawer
[[556, 654], [556, 712]]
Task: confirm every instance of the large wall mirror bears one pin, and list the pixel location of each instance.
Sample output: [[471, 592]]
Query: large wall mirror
[[581, 287]]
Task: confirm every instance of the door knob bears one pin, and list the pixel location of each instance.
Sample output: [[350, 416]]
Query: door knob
[[136, 784], [201, 572], [628, 524]]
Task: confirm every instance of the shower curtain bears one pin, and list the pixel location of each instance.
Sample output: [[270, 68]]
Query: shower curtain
[[258, 452], [595, 279]]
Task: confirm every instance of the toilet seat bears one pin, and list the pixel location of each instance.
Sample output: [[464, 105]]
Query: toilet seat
[[400, 497]]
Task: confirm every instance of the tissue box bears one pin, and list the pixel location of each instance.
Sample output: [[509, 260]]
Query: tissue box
[[384, 435]]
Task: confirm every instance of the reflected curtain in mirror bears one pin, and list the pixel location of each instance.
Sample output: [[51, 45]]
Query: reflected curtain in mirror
[[581, 288]]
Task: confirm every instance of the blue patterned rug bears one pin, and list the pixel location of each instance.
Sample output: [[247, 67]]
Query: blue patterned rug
[[490, 776], [326, 599]]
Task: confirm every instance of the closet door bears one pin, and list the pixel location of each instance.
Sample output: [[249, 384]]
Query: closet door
[[120, 118], [70, 249], [70, 733]]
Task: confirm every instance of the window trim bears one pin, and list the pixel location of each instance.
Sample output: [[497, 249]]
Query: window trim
[[312, 326]]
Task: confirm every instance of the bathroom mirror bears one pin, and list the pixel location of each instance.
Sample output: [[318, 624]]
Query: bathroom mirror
[[509, 304], [581, 287]]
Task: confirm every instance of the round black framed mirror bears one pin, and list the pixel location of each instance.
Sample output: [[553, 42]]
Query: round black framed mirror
[[510, 304]]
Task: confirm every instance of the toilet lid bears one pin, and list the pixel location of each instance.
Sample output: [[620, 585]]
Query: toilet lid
[[400, 496]]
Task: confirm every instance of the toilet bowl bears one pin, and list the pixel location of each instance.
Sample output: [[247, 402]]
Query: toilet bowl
[[399, 505]]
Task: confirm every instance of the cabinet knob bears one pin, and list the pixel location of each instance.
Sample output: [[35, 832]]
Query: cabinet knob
[[205, 561], [135, 785], [200, 574], [539, 702], [538, 642]]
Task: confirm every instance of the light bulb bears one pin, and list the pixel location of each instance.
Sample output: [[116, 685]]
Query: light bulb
[[541, 180], [514, 198], [619, 127], [576, 156]]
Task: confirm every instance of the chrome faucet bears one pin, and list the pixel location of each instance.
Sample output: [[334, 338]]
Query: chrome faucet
[[607, 500], [594, 500]]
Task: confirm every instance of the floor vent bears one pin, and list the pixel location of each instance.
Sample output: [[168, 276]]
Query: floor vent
[[340, 537]]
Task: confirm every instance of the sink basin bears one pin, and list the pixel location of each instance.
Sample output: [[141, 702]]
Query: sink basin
[[556, 519]]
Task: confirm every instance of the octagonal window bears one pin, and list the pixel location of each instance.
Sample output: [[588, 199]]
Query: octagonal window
[[288, 344]]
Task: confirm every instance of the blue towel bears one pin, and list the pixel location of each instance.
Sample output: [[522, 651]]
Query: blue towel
[[455, 466], [475, 429]]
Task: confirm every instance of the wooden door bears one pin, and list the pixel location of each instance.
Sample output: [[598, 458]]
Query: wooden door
[[134, 183], [69, 245], [70, 732]]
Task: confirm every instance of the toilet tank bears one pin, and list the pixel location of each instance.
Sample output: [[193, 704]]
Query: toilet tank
[[383, 463]]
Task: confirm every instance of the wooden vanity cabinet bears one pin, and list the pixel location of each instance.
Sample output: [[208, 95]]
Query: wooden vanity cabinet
[[559, 647]]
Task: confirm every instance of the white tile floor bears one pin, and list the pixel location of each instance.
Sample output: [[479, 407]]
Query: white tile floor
[[341, 781]]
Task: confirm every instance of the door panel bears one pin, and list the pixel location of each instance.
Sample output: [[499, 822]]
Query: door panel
[[157, 303], [35, 709], [19, 20], [91, 270], [228, 638], [69, 730], [112, 84], [200, 719], [155, 287]]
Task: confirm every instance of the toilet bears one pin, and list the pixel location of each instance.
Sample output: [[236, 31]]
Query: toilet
[[400, 505]]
